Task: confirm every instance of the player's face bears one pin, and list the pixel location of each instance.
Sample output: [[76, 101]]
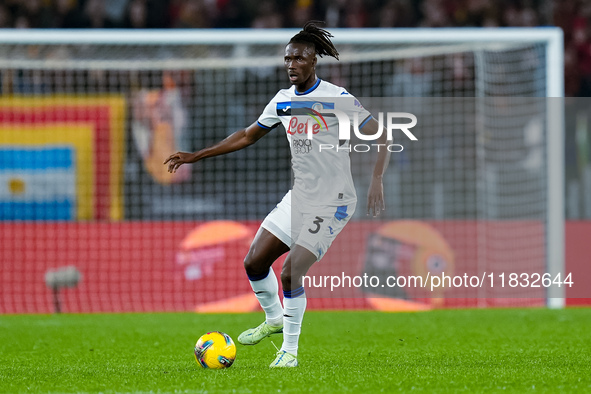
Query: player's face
[[300, 61]]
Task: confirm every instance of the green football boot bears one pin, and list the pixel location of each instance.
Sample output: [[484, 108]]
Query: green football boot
[[252, 336], [284, 360]]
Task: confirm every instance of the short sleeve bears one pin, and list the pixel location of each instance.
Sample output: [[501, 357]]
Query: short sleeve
[[269, 118], [355, 110]]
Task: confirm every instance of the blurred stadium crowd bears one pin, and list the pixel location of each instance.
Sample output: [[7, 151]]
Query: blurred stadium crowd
[[573, 16]]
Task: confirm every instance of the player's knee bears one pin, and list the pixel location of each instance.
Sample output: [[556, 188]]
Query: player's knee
[[254, 265], [250, 265]]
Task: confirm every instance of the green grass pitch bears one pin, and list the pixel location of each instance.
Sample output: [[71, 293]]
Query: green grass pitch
[[510, 350]]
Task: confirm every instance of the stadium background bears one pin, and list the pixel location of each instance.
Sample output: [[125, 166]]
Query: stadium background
[[132, 197]]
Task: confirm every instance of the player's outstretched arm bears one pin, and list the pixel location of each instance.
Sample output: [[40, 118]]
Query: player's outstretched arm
[[375, 197], [236, 141]]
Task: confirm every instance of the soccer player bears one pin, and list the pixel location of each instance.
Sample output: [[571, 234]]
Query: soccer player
[[323, 197]]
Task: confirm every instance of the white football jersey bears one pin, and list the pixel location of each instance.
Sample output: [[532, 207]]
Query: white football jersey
[[322, 176]]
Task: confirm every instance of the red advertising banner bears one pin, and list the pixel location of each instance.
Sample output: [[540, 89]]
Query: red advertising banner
[[178, 266]]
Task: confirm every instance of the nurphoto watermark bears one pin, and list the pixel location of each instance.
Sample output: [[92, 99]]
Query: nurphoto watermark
[[318, 116]]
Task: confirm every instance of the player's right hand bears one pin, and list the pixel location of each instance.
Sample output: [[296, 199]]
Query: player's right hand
[[177, 159]]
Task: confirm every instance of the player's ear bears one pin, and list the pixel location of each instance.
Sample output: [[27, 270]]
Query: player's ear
[[314, 61]]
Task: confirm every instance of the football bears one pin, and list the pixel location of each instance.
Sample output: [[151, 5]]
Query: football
[[215, 350]]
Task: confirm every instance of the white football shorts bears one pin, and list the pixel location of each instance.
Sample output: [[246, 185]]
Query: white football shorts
[[313, 227]]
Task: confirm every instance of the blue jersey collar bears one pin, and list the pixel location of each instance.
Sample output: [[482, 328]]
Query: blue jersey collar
[[309, 90]]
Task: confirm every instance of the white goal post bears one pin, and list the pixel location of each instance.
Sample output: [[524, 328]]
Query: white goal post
[[210, 51]]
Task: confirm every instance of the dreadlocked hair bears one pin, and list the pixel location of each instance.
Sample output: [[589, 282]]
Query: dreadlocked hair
[[318, 37]]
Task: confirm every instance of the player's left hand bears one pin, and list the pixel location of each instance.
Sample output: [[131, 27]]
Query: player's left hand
[[375, 198], [177, 159]]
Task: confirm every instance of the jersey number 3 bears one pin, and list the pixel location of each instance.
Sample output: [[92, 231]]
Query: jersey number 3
[[317, 223]]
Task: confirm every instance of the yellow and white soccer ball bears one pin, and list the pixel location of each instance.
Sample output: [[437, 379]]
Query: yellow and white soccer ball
[[215, 350]]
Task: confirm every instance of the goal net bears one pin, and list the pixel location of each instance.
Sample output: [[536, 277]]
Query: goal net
[[90, 220]]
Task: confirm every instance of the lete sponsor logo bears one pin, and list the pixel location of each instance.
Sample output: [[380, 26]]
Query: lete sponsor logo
[[318, 123]]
